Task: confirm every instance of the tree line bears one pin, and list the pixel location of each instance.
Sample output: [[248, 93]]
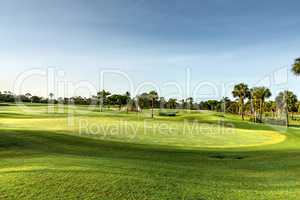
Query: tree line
[[251, 102]]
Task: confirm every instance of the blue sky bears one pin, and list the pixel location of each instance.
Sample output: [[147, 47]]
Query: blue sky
[[220, 41]]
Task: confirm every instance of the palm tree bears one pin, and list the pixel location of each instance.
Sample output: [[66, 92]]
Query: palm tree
[[172, 103], [224, 104], [259, 95], [162, 102], [51, 95], [128, 97], [102, 96], [287, 101], [241, 91], [190, 102], [28, 96], [252, 110], [183, 104], [152, 96], [296, 67]]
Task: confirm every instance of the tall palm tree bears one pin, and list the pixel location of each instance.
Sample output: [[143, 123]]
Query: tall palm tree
[[224, 104], [287, 101], [296, 67], [172, 103], [259, 95], [51, 95], [128, 97], [102, 96], [183, 104], [252, 110], [190, 102], [152, 96], [241, 91]]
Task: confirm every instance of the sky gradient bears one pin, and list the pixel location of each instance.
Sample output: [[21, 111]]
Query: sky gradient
[[220, 41]]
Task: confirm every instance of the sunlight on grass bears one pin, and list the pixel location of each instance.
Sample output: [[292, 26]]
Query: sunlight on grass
[[187, 131], [195, 155]]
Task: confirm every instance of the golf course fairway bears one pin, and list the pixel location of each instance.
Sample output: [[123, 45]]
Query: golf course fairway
[[81, 153]]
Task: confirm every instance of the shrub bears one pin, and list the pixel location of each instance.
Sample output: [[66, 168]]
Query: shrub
[[167, 114]]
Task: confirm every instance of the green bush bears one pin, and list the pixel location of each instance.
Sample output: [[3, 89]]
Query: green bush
[[168, 114]]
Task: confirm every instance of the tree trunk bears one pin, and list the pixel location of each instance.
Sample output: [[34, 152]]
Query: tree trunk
[[252, 109], [287, 117], [242, 109], [101, 105], [152, 105], [261, 111], [287, 114]]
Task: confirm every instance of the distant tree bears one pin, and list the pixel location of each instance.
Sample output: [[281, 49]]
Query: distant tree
[[80, 100], [203, 105], [7, 96], [296, 67], [259, 95], [162, 102], [233, 107], [212, 104], [115, 99], [51, 95], [183, 104], [128, 98], [287, 101], [102, 97], [251, 101], [153, 96], [172, 103], [225, 103], [270, 106], [241, 91], [28, 96], [60, 100], [190, 102], [143, 100], [36, 99]]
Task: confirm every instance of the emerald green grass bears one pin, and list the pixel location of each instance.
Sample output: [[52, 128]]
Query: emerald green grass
[[45, 156]]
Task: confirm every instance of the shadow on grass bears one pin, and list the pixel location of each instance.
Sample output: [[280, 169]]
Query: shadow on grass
[[294, 126], [24, 142]]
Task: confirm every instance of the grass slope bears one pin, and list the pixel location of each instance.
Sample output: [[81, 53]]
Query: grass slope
[[43, 158]]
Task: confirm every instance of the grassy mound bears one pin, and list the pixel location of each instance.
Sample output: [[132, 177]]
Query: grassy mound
[[188, 130], [44, 158]]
